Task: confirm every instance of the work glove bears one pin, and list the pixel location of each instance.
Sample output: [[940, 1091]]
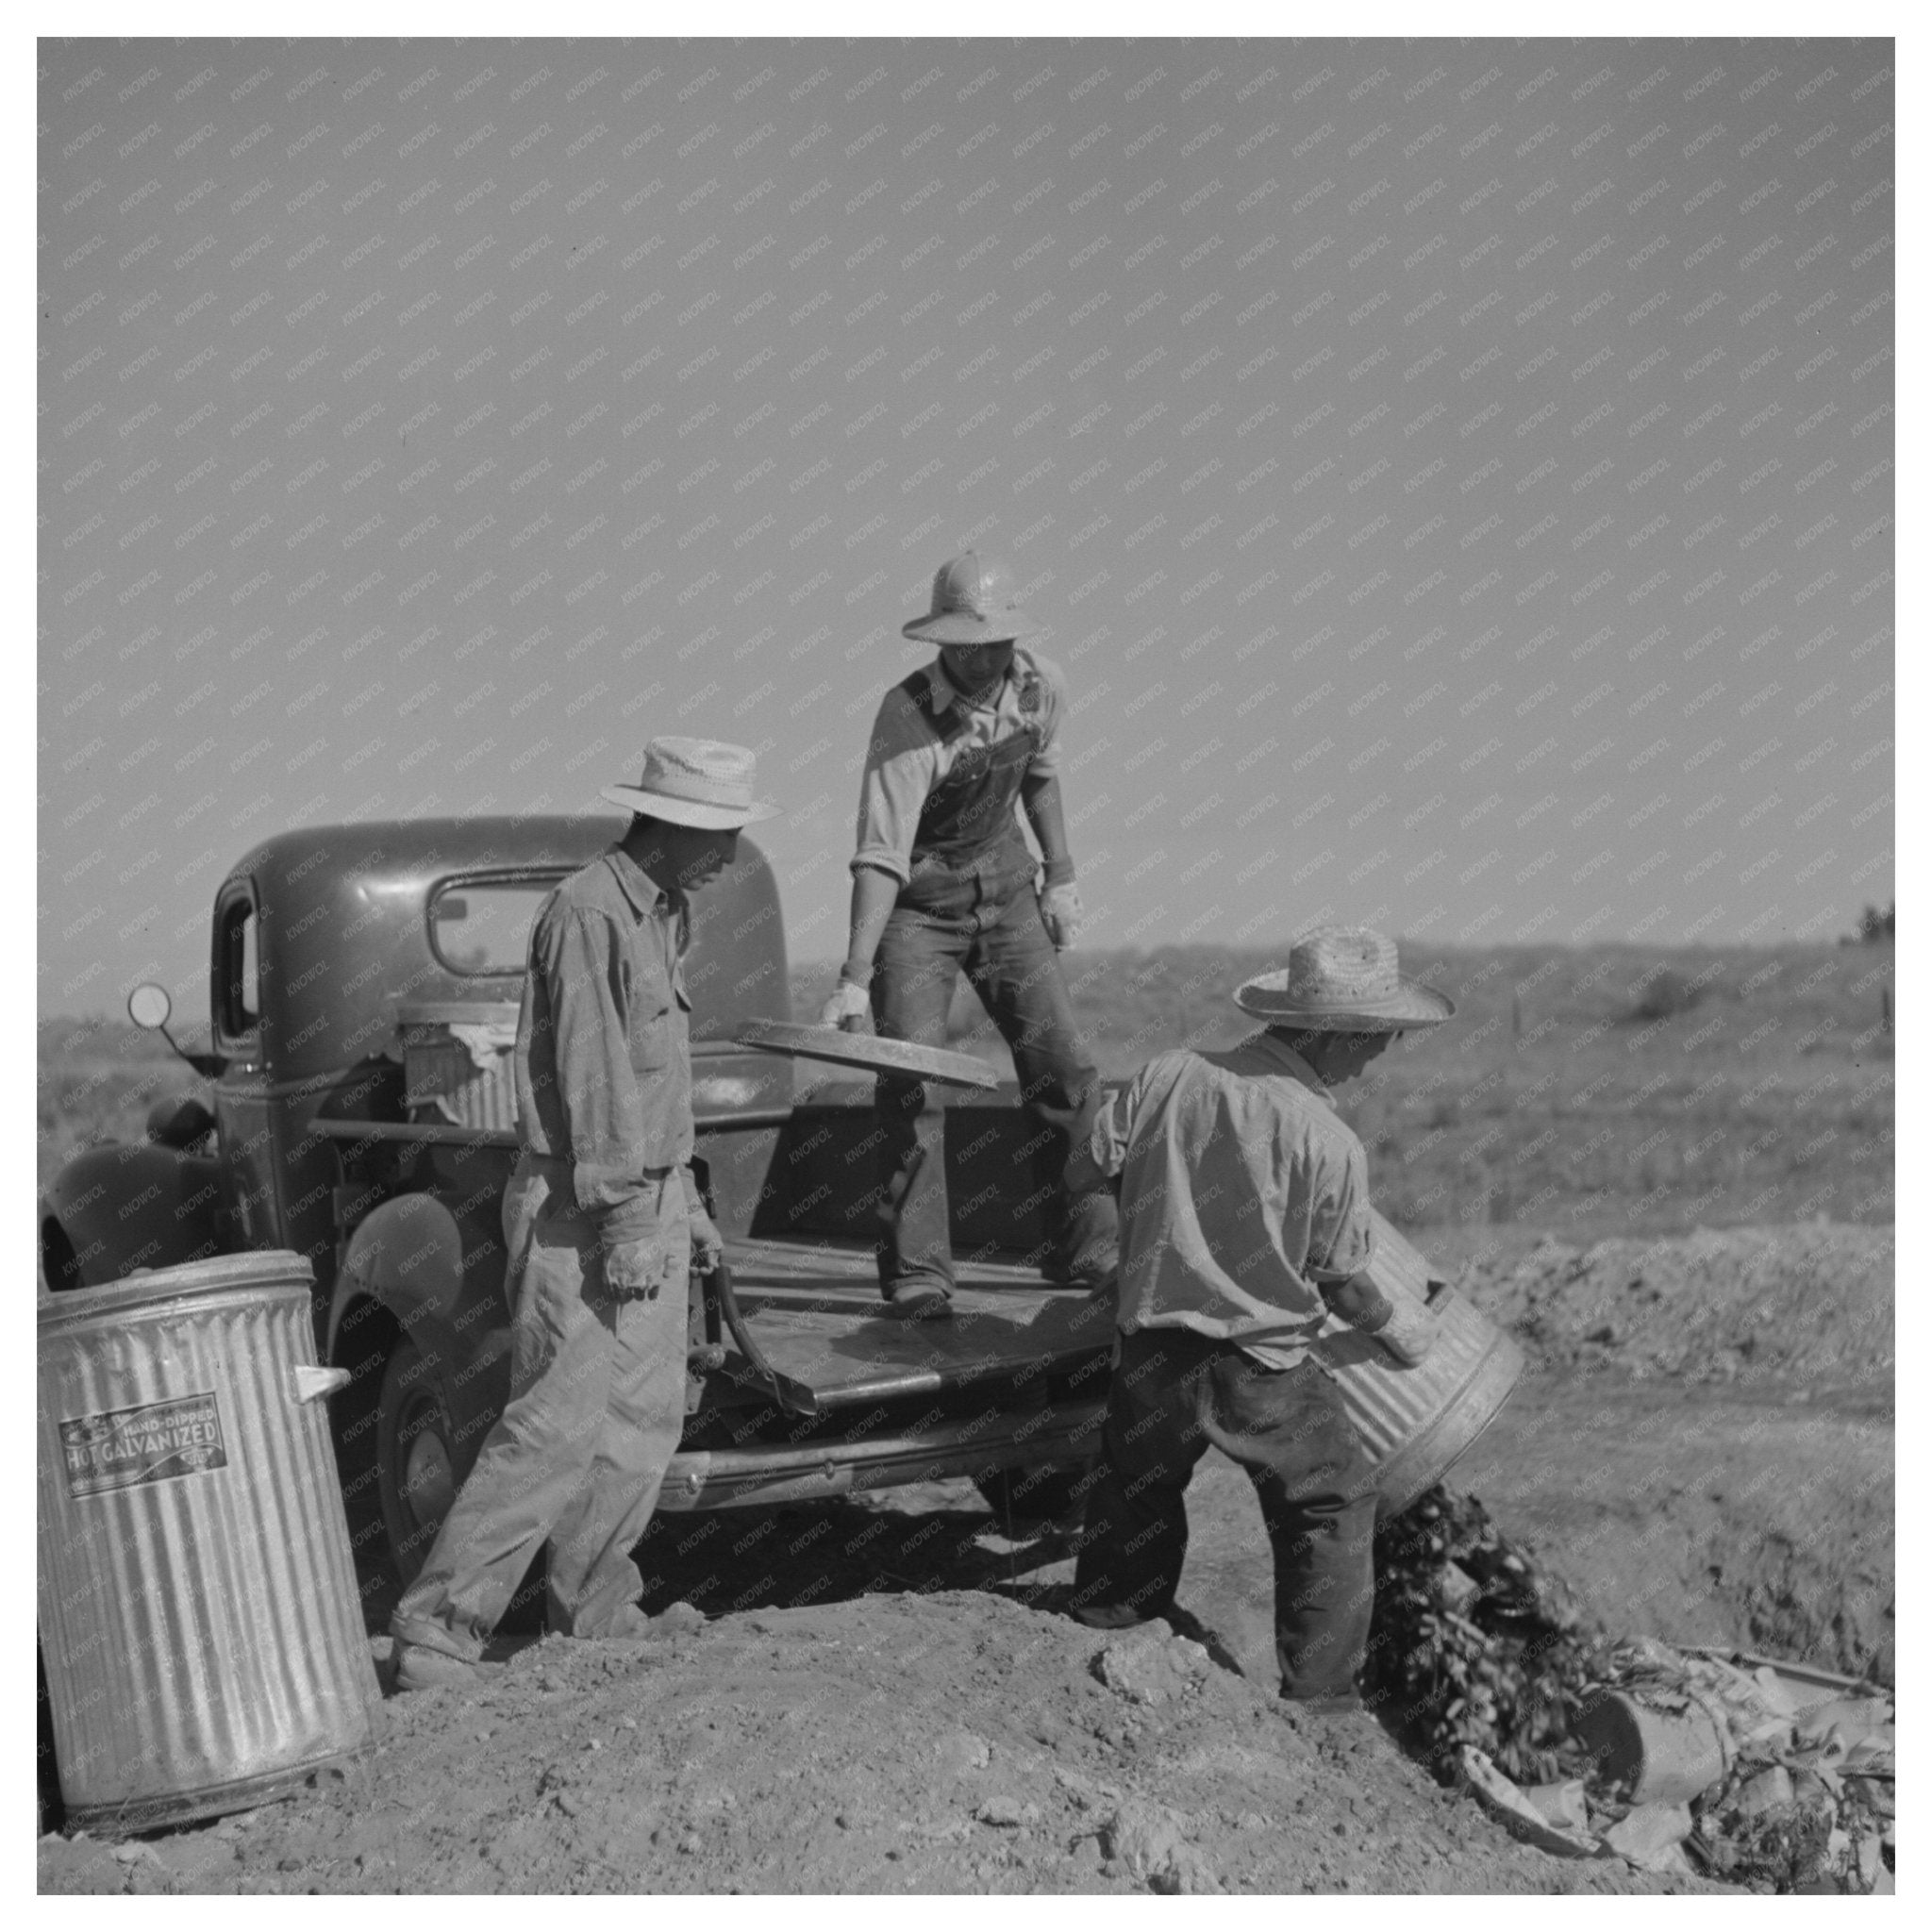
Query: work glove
[[1405, 1328], [1409, 1332], [848, 1006], [1062, 914], [706, 1244], [634, 1270]]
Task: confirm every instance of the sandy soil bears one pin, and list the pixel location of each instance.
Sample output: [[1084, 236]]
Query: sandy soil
[[883, 1696], [956, 1742]]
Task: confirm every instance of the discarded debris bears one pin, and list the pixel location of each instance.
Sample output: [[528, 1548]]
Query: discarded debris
[[1677, 1760]]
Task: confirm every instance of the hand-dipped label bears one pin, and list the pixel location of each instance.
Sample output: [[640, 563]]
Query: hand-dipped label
[[122, 1448]]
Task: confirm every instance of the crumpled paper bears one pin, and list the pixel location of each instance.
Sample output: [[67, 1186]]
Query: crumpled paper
[[486, 1040]]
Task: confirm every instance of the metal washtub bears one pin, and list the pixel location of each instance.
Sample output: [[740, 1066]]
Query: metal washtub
[[1417, 1422], [198, 1611]]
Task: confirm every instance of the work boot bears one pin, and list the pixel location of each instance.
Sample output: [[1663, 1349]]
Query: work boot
[[921, 1303], [629, 1625], [421, 1667], [632, 1624], [1343, 1704]]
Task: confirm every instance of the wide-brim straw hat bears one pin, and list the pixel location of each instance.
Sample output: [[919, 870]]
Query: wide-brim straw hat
[[1342, 979], [695, 781], [972, 604]]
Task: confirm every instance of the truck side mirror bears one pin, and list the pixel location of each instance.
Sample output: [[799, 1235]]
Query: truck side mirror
[[148, 1006]]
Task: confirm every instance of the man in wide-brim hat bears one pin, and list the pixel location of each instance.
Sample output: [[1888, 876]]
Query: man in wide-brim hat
[[943, 880], [1244, 1222], [600, 1218]]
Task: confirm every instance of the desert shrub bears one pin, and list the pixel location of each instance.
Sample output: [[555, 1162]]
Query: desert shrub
[[1664, 995]]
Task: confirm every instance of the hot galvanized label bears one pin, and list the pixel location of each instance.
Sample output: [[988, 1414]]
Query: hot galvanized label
[[122, 1448]]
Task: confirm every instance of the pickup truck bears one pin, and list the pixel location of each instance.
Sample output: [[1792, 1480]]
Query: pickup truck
[[330, 945]]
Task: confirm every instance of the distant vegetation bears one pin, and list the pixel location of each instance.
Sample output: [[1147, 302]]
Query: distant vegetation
[[1875, 928], [1608, 1089], [1590, 1092]]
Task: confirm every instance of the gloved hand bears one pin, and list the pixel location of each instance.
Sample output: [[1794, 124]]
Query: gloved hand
[[634, 1269], [1405, 1328], [1062, 914], [1409, 1332], [848, 1006], [706, 1244]]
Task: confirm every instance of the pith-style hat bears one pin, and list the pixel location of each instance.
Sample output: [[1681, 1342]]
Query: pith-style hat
[[972, 604], [1341, 979], [695, 781]]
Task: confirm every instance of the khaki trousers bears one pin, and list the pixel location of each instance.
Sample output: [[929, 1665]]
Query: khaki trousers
[[595, 1412]]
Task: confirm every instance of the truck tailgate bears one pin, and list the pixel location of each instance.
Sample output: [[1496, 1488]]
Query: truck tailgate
[[814, 1309]]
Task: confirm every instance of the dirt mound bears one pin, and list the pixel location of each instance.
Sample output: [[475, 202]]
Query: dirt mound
[[955, 1743], [1812, 1301]]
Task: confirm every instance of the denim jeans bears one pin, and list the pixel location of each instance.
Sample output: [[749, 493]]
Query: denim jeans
[[1175, 1394], [997, 937]]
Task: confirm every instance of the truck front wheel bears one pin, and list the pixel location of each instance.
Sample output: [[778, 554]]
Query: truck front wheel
[[1033, 1496], [415, 1460]]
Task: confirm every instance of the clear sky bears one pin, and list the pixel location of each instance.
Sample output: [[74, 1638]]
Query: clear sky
[[1455, 476]]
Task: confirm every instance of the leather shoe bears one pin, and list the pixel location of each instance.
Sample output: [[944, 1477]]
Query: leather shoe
[[421, 1667]]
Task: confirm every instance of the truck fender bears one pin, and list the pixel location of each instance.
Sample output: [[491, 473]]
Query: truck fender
[[407, 1257], [114, 1208]]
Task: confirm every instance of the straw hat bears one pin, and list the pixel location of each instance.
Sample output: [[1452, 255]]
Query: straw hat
[[695, 781], [1341, 979], [972, 604]]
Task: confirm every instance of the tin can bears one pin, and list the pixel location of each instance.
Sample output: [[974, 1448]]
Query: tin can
[[198, 1612]]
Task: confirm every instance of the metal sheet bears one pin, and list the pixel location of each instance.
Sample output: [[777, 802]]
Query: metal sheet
[[867, 1050], [837, 1340]]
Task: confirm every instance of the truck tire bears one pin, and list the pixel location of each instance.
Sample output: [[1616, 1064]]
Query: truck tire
[[1033, 1496], [415, 1461]]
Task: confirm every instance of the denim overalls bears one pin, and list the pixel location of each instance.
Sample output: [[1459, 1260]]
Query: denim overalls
[[970, 902]]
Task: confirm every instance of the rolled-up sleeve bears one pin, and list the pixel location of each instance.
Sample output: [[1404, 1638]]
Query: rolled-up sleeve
[[581, 956], [1341, 1235], [901, 763], [1100, 1152], [1053, 708]]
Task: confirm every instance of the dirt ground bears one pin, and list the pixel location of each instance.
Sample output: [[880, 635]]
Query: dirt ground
[[881, 1695]]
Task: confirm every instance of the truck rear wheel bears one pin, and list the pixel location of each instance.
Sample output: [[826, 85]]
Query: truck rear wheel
[[415, 1459]]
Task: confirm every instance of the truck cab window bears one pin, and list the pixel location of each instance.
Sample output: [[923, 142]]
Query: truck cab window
[[237, 967], [481, 927]]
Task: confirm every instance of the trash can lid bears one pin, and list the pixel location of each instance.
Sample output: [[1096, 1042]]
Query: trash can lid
[[457, 1012]]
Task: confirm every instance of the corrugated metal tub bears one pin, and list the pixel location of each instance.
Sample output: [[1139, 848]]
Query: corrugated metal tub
[[1416, 1422], [198, 1611]]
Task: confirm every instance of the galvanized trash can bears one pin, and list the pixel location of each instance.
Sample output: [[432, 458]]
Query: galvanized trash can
[[459, 1062], [198, 1609], [1416, 1422]]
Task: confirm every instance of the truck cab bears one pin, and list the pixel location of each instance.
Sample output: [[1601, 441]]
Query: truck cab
[[327, 946]]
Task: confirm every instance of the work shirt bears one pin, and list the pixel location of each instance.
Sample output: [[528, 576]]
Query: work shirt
[[911, 752], [1242, 1189], [603, 1053]]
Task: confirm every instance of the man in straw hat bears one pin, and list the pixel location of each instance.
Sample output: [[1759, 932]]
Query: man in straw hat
[[1244, 1212], [600, 1220], [942, 879]]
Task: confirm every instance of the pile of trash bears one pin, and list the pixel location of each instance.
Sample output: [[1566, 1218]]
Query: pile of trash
[[1677, 1760], [1474, 1647]]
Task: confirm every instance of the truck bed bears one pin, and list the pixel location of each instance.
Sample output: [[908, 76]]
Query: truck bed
[[814, 1309]]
